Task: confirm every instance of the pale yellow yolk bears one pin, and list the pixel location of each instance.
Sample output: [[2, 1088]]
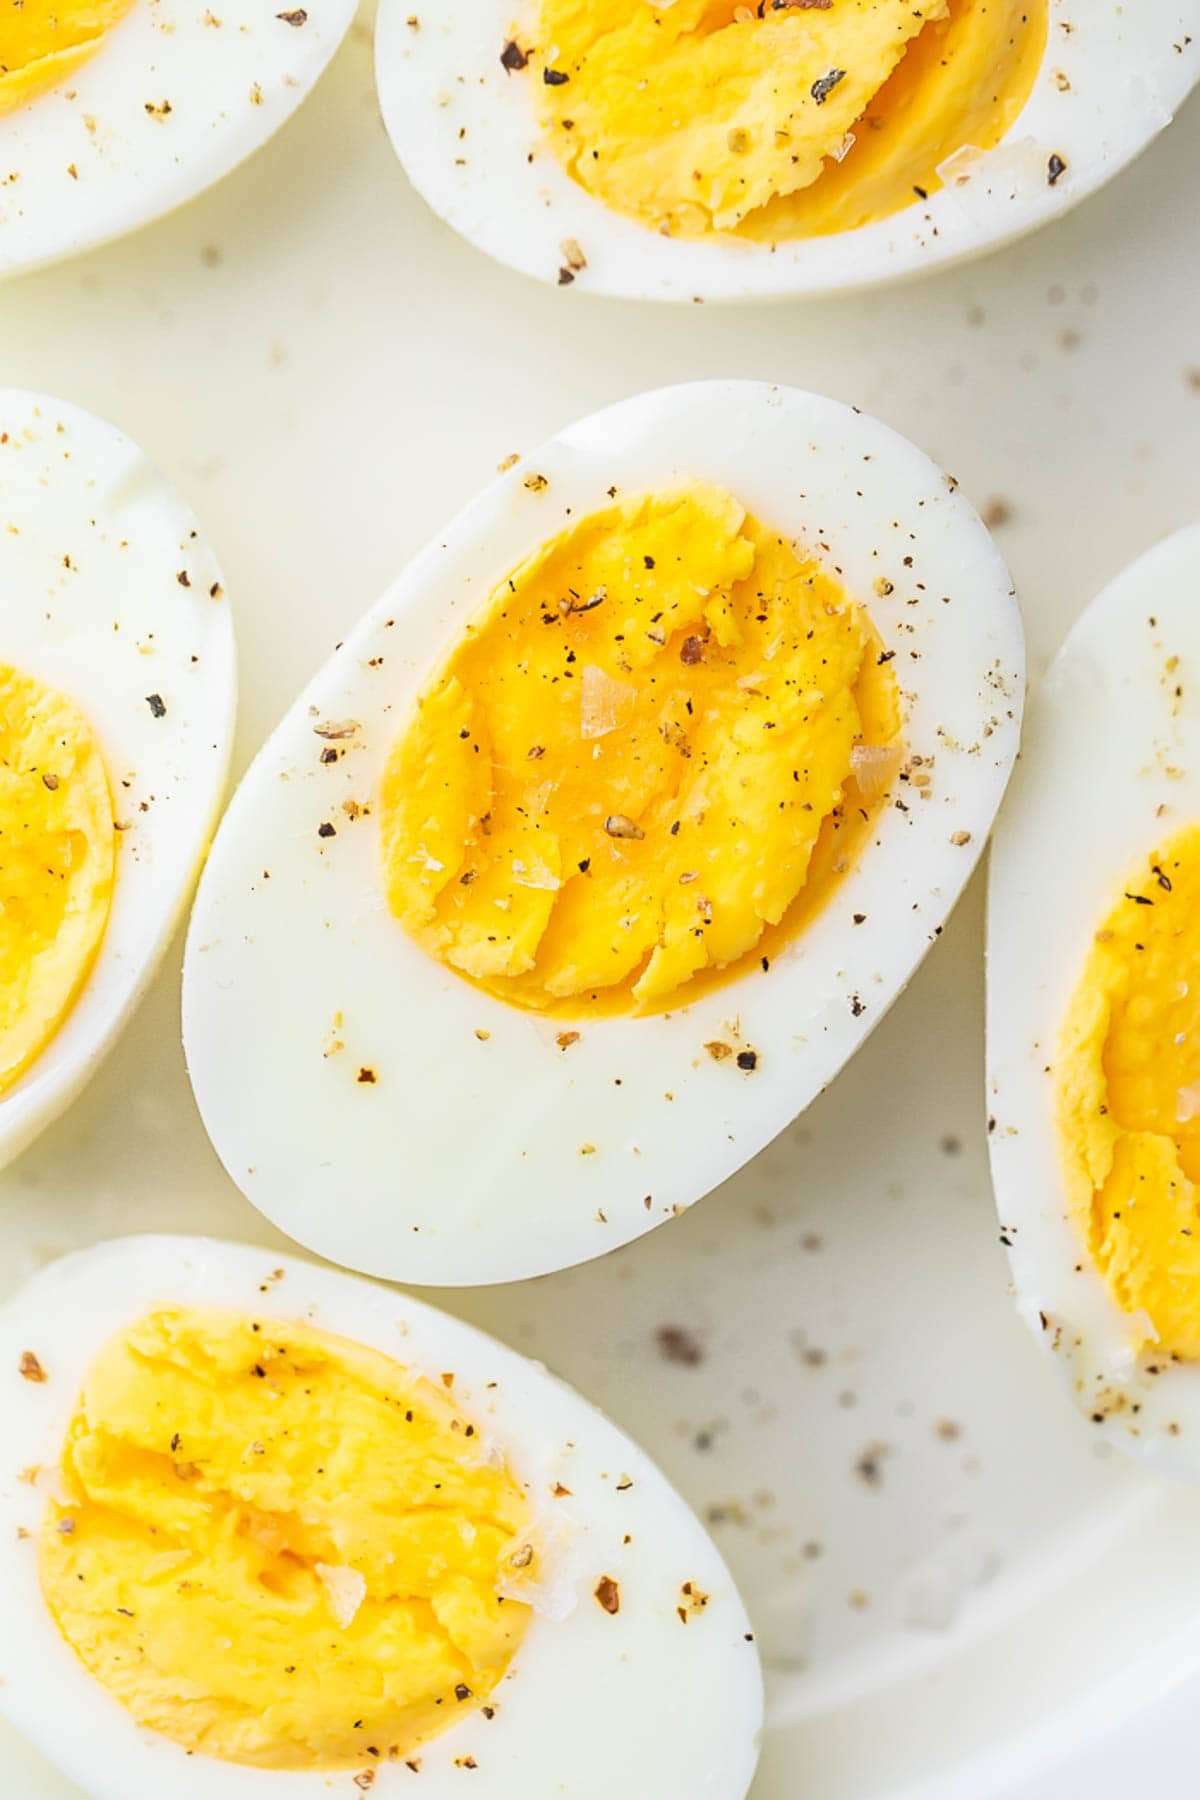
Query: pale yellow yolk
[[637, 764], [279, 1547], [44, 41], [57, 863], [1128, 1098], [790, 119]]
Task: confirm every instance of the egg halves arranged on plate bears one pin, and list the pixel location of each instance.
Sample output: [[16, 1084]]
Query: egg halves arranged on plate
[[690, 149], [116, 719], [1094, 1010], [266, 1529], [605, 838], [114, 111]]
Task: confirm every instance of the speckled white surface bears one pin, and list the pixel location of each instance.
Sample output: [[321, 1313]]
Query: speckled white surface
[[952, 1583]]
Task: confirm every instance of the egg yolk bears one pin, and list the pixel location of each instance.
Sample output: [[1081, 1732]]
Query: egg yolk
[[44, 41], [57, 863], [640, 762], [278, 1547], [789, 118], [1128, 1098]]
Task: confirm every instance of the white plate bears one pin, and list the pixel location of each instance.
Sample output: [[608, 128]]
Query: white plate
[[326, 394]]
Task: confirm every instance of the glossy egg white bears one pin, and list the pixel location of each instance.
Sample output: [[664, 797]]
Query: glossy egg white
[[482, 1151], [1109, 767], [175, 97], [465, 129], [593, 1699], [110, 593]]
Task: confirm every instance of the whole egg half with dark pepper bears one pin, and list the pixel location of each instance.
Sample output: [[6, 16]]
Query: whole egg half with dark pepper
[[711, 149], [116, 722], [272, 1532], [605, 838], [1094, 1011]]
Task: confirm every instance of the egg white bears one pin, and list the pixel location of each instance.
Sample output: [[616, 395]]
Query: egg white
[[593, 1700], [467, 1160], [1110, 766], [93, 545], [466, 132], [98, 155]]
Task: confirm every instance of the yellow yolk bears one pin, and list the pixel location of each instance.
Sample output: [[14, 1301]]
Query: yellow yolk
[[1128, 1098], [790, 119], [638, 762], [44, 41], [57, 863], [278, 1547]]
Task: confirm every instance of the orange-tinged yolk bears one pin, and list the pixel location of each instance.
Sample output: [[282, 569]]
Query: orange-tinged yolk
[[280, 1548], [57, 864], [793, 119], [637, 766], [1128, 1097], [42, 42]]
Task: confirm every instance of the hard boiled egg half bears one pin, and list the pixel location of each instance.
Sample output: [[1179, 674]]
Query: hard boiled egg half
[[114, 111], [1094, 1010], [116, 718], [605, 837], [269, 1530], [708, 148]]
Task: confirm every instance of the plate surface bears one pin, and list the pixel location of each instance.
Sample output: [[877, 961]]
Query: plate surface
[[956, 1589]]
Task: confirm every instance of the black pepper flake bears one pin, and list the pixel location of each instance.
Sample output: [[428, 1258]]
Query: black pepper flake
[[1140, 899], [462, 1691], [1055, 168], [326, 830], [183, 578], [555, 77], [157, 705], [747, 1060], [691, 651], [678, 1345], [513, 57], [367, 1077], [296, 17], [565, 276], [822, 88]]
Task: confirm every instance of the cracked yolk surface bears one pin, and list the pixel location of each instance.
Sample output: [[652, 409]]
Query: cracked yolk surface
[[44, 41], [1128, 1097], [279, 1547], [789, 119], [57, 863], [639, 763]]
